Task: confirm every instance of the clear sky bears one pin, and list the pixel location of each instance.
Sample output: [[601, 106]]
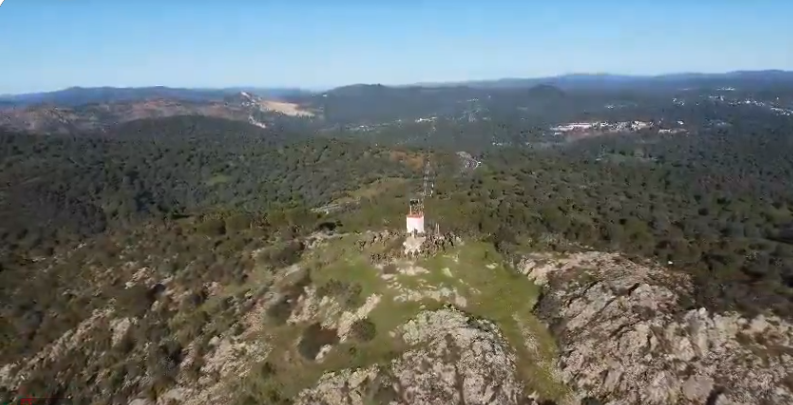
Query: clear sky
[[52, 44]]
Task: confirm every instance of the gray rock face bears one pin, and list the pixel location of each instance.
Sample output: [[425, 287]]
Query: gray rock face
[[141, 401], [455, 360], [625, 339]]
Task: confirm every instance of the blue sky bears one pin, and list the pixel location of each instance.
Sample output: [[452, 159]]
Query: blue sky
[[52, 44]]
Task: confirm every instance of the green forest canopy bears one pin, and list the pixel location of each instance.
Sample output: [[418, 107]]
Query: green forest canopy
[[714, 203]]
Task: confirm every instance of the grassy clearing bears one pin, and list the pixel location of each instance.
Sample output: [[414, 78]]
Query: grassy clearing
[[506, 298], [342, 261], [491, 290], [289, 372], [346, 263]]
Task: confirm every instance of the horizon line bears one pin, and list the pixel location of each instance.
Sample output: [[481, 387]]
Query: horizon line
[[420, 83]]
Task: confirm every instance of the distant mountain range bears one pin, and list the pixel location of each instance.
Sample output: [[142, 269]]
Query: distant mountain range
[[586, 81], [75, 96], [78, 109]]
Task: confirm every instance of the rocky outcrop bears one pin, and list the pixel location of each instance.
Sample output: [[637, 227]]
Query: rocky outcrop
[[455, 359], [627, 337]]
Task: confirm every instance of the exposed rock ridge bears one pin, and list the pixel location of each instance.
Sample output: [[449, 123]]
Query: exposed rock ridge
[[456, 359], [626, 337]]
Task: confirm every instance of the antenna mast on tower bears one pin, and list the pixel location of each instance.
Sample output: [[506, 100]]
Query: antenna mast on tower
[[415, 216], [429, 187]]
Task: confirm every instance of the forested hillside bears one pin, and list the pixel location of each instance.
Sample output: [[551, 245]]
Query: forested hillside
[[54, 188], [715, 202], [209, 199], [216, 208], [718, 204]]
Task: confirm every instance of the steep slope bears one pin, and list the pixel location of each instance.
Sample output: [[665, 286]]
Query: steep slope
[[159, 315], [462, 360], [272, 322], [628, 335]]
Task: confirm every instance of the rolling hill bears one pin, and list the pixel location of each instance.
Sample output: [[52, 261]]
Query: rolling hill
[[65, 119], [75, 96]]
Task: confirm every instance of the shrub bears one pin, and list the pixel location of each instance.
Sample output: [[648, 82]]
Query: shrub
[[314, 338], [194, 299], [363, 330], [238, 222], [212, 227], [283, 254], [352, 297], [281, 310], [193, 326], [348, 294], [267, 370], [135, 301], [332, 288], [327, 226]]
